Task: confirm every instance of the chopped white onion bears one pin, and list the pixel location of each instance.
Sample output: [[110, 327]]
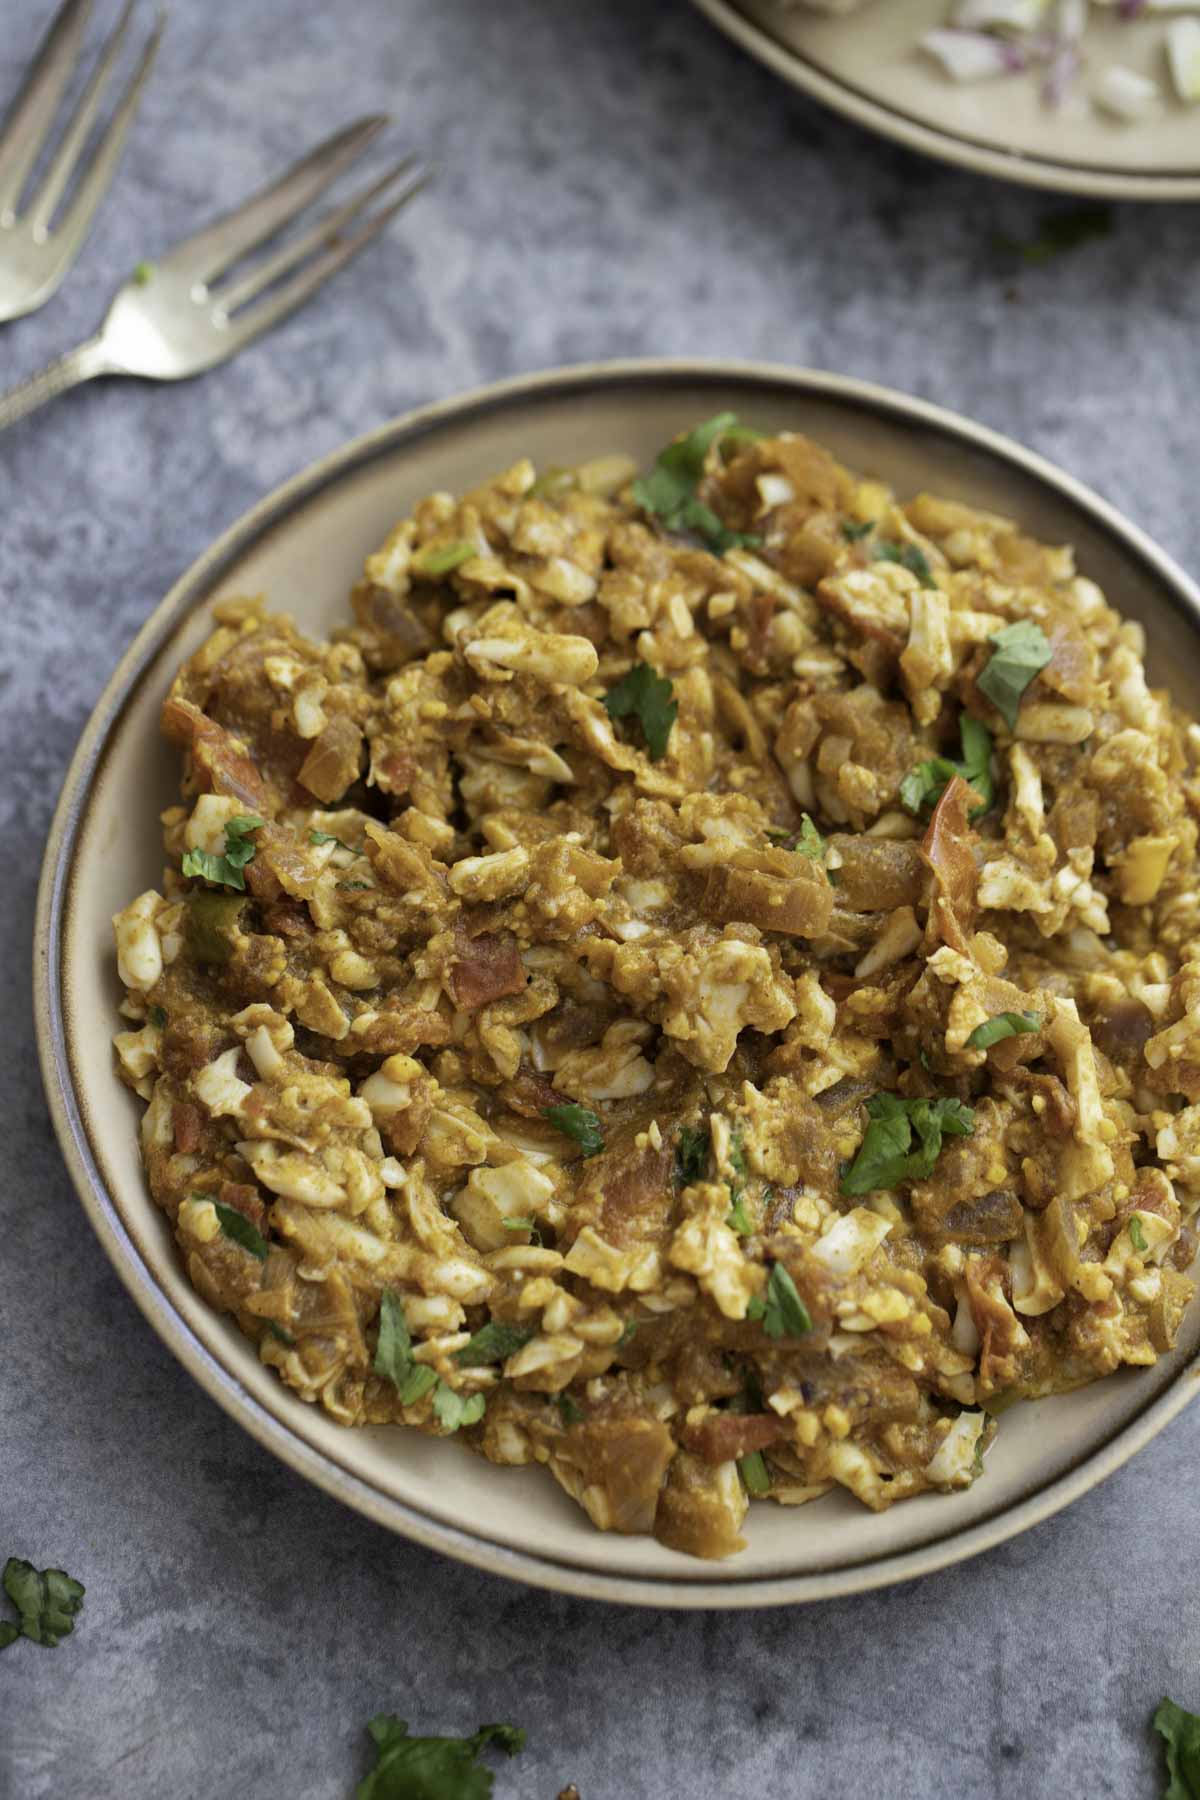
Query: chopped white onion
[[1126, 94], [1183, 55], [998, 15], [972, 55]]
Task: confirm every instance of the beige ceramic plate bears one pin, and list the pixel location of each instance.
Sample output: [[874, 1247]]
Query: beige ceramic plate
[[863, 65], [304, 546]]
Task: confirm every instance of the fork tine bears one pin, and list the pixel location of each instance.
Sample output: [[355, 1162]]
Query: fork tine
[[103, 167], [211, 251], [291, 255], [257, 319], [32, 113], [41, 209]]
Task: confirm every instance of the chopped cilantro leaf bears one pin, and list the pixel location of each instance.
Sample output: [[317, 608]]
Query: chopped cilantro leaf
[[572, 1412], [277, 1331], [327, 837], [237, 1226], [580, 1123], [355, 887], [1019, 652], [48, 1601], [1064, 229], [454, 1410], [225, 870], [691, 1154], [924, 785], [853, 529], [439, 559], [143, 274], [669, 491], [810, 842], [157, 1016], [885, 1156], [1137, 1236], [648, 697], [393, 1354], [432, 1768], [552, 482], [736, 1154], [910, 557], [494, 1342], [628, 1333], [530, 1225], [753, 1470], [1180, 1732], [1003, 1025], [783, 1312], [738, 1219]]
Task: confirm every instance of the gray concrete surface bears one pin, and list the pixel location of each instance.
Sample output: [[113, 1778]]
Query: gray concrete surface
[[615, 180]]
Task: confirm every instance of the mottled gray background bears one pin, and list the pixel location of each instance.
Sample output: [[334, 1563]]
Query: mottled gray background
[[615, 180]]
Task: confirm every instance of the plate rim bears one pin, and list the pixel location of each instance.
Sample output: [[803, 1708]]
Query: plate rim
[[1084, 181], [68, 1108]]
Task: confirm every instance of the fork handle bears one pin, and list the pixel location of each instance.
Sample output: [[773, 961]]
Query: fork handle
[[81, 364]]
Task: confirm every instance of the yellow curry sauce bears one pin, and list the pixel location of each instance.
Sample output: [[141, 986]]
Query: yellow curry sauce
[[698, 985]]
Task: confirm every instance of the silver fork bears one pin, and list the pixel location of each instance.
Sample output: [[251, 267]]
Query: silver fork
[[34, 258], [175, 318]]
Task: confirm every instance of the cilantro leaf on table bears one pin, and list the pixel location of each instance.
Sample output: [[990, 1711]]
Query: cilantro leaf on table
[[1003, 1025], [885, 1157], [783, 1312], [580, 1123], [226, 870], [1019, 652], [669, 491], [47, 1600], [691, 1154], [1180, 1732], [432, 1768], [925, 784], [236, 1226], [494, 1342], [648, 698]]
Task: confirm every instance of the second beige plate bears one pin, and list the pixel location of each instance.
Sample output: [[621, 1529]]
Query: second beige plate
[[864, 66], [304, 547]]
